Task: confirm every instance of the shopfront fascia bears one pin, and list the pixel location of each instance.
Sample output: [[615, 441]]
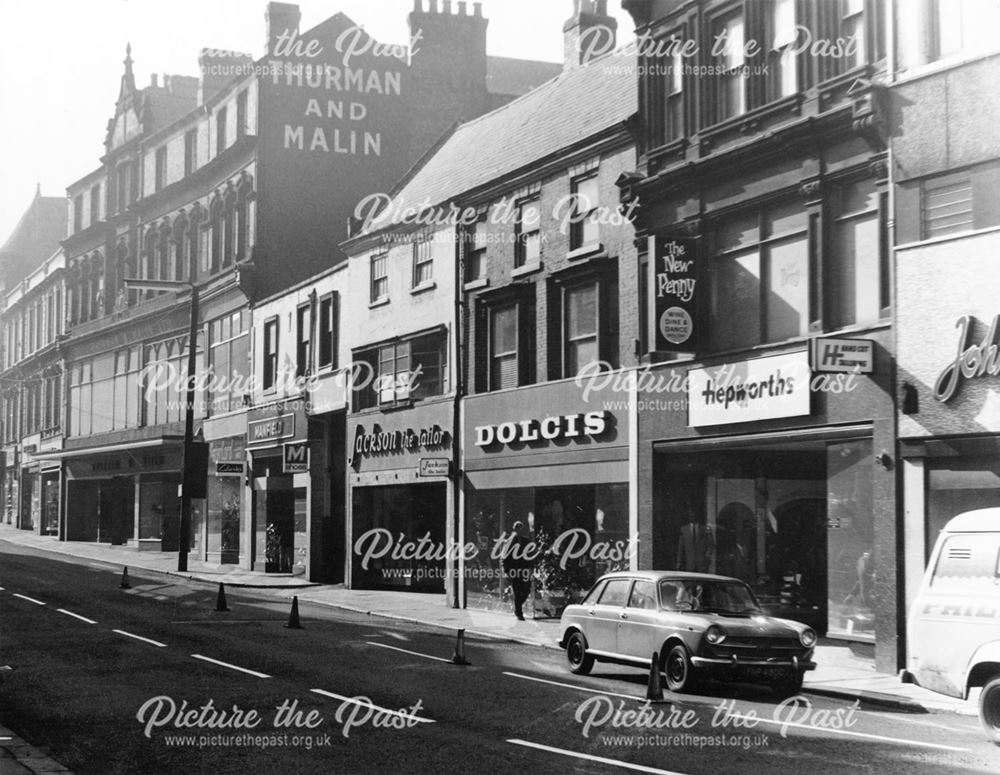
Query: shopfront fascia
[[558, 461], [401, 499], [782, 473], [125, 493], [279, 463]]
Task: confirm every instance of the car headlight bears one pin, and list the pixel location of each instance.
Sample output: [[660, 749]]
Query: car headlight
[[808, 637], [715, 635]]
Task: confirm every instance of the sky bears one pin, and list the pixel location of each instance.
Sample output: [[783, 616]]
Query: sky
[[61, 65]]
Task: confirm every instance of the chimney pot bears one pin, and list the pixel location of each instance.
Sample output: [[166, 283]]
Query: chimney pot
[[446, 7], [462, 10]]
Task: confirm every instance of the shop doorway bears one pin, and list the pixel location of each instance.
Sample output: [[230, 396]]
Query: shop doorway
[[116, 510]]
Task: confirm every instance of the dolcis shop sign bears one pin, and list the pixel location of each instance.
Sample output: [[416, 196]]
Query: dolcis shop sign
[[556, 427], [976, 360]]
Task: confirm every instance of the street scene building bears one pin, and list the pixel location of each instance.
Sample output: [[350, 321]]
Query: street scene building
[[425, 332]]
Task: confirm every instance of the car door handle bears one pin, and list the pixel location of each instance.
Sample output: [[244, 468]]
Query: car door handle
[[623, 615], [590, 612]]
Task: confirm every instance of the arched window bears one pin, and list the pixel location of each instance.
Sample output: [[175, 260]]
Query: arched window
[[148, 270], [216, 245], [244, 218], [125, 268], [194, 232], [165, 258], [179, 245], [96, 289], [229, 229]]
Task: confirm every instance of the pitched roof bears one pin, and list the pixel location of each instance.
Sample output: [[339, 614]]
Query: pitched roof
[[505, 75], [34, 239], [577, 104]]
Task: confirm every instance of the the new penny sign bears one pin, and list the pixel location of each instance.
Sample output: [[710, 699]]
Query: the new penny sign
[[673, 285], [548, 429], [970, 362]]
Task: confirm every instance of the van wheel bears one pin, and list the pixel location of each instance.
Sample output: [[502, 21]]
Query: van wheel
[[989, 710], [580, 662]]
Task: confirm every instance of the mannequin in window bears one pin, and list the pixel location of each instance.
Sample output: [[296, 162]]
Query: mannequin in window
[[695, 547]]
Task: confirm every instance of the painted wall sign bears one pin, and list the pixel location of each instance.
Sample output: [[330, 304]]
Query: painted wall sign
[[271, 429], [673, 286], [295, 458], [380, 442], [844, 355], [226, 467], [549, 429], [972, 361], [434, 466], [758, 389]]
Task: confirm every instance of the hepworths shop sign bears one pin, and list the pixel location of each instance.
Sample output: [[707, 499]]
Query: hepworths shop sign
[[747, 391]]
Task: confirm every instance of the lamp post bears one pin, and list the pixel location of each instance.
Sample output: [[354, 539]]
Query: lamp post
[[187, 480]]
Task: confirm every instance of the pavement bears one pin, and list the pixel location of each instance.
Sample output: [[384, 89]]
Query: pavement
[[843, 670]]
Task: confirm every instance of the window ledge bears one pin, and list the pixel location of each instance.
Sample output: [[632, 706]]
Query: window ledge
[[526, 269], [379, 302], [430, 285], [475, 285], [585, 251]]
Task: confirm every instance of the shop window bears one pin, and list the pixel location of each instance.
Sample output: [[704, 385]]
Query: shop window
[[958, 484], [270, 353], [328, 329], [674, 109], [585, 231], [241, 115], [303, 340], [220, 130], [160, 179], [857, 271], [474, 244], [729, 45], [423, 260], [947, 205], [164, 381], [95, 204], [504, 349], [761, 281], [402, 371], [126, 388], [379, 277], [964, 25], [229, 356], [527, 237], [782, 62], [190, 151]]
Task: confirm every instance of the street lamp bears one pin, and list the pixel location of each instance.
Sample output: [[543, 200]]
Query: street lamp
[[189, 477]]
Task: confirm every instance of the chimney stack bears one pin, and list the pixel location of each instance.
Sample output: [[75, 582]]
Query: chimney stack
[[589, 33], [281, 18]]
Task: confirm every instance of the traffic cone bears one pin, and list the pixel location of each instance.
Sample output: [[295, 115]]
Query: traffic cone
[[459, 658], [654, 689], [125, 584], [220, 601], [293, 617]]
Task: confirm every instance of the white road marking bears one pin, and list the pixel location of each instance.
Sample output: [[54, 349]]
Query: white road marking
[[407, 651], [590, 758], [366, 703], [29, 599], [575, 686], [139, 637], [76, 616], [850, 733], [230, 666]]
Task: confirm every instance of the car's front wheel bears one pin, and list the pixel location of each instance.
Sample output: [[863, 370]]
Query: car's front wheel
[[580, 662], [678, 671], [789, 684], [989, 710]]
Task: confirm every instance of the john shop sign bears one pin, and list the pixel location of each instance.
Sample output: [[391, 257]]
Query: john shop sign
[[568, 426]]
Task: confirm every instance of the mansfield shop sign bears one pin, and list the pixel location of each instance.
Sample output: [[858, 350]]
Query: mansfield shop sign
[[759, 389], [674, 287]]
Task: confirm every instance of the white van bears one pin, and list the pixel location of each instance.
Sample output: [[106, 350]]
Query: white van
[[953, 632]]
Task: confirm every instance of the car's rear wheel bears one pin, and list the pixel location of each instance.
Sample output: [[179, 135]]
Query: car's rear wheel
[[989, 710], [580, 662], [789, 684], [678, 671]]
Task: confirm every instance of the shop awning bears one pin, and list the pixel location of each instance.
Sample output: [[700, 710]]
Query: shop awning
[[706, 443], [62, 454]]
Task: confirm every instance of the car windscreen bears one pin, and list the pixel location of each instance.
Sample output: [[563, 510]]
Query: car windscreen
[[726, 597]]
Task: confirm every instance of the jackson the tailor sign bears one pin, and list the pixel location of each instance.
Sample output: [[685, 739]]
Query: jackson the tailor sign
[[674, 288], [759, 389]]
